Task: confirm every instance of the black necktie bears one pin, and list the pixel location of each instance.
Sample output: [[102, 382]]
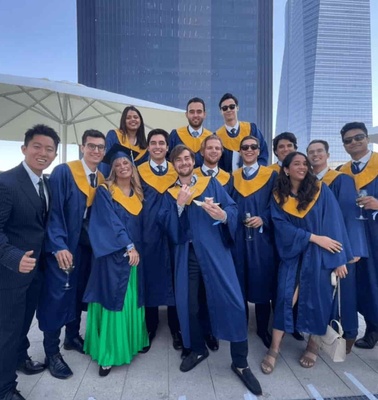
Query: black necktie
[[233, 132], [160, 169], [92, 178], [356, 167], [210, 172], [41, 192]]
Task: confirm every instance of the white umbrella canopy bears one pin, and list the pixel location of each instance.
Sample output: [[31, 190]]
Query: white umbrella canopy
[[71, 108]]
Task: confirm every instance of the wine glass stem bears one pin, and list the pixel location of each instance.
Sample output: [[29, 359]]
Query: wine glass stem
[[68, 280]]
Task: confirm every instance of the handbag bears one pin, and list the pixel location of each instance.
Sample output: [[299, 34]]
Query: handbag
[[333, 342]]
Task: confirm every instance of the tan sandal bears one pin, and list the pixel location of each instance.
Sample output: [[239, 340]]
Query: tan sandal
[[306, 361], [266, 366]]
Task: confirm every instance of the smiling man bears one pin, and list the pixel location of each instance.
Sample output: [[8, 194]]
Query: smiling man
[[24, 205], [232, 133], [283, 144], [193, 134], [73, 187], [364, 169], [344, 190], [202, 234]]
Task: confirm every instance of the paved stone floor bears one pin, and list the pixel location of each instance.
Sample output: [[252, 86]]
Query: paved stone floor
[[156, 375]]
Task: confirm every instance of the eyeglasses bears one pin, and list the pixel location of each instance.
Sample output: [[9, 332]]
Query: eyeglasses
[[245, 147], [93, 147], [231, 107], [357, 138]]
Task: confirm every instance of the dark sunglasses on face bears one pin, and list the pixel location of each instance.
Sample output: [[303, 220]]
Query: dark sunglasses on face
[[231, 107], [357, 138], [93, 147], [245, 147]]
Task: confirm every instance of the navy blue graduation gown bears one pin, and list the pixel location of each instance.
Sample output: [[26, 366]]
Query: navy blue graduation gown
[[212, 247], [316, 264], [256, 261], [111, 229], [344, 190], [156, 252], [112, 138], [223, 177], [57, 307], [367, 268]]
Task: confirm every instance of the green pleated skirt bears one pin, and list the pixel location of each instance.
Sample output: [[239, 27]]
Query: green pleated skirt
[[114, 337]]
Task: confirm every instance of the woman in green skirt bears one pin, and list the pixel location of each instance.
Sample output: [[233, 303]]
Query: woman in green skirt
[[116, 328]]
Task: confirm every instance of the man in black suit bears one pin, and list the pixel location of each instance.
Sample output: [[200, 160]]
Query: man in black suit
[[24, 202]]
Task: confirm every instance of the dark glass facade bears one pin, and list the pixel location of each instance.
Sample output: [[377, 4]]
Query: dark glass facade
[[169, 51], [326, 72]]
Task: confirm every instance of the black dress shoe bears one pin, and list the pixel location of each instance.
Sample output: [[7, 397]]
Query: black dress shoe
[[177, 341], [104, 371], [145, 349], [248, 379], [368, 341], [212, 342], [13, 394], [298, 336], [76, 343], [192, 360], [185, 352], [58, 367], [29, 367], [266, 338]]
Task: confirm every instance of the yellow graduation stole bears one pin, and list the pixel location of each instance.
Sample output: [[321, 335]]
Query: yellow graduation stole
[[275, 167], [124, 141], [196, 189], [193, 143], [230, 143], [367, 175], [247, 187], [132, 204], [290, 205], [330, 176], [159, 182], [81, 180], [223, 177]]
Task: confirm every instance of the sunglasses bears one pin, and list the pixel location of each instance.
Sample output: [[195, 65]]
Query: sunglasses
[[245, 147], [357, 138], [91, 146], [231, 107]]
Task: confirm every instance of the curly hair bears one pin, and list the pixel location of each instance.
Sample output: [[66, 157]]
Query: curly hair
[[307, 188], [135, 180]]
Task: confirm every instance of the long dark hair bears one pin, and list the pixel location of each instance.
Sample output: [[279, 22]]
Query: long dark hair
[[140, 135], [307, 188]]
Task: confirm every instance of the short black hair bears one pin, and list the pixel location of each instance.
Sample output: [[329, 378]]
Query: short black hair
[[177, 150], [248, 138], [227, 96], [196, 100], [41, 129], [353, 125], [91, 133], [323, 142], [285, 136], [158, 131]]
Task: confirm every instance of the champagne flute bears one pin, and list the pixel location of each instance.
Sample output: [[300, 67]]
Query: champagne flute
[[361, 193], [68, 271], [249, 236]]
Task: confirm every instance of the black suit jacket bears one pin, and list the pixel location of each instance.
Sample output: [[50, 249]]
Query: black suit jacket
[[22, 227]]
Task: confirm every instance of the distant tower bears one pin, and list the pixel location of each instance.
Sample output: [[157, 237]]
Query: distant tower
[[326, 70], [168, 51]]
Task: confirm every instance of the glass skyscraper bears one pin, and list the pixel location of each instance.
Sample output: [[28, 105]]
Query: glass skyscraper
[[168, 51], [326, 71]]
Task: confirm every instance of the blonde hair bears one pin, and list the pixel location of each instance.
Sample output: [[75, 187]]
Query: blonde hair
[[135, 180]]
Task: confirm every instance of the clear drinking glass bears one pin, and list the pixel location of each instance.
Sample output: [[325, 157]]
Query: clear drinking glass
[[361, 193], [68, 271], [248, 230]]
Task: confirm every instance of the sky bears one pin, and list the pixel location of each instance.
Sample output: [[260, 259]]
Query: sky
[[38, 39]]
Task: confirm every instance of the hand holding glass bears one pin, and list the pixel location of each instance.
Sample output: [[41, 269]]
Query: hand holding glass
[[246, 217], [361, 193], [68, 270]]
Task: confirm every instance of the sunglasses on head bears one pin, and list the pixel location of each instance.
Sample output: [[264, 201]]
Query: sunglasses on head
[[357, 138], [245, 147], [231, 107]]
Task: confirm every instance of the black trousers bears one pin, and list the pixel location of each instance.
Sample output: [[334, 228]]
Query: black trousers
[[197, 297], [152, 319], [17, 308]]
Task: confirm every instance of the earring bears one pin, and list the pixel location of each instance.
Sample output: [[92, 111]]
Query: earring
[[287, 174]]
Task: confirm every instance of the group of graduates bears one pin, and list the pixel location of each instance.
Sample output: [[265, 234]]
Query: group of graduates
[[123, 231]]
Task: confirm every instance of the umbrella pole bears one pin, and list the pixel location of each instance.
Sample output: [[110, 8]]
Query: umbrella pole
[[64, 143]]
